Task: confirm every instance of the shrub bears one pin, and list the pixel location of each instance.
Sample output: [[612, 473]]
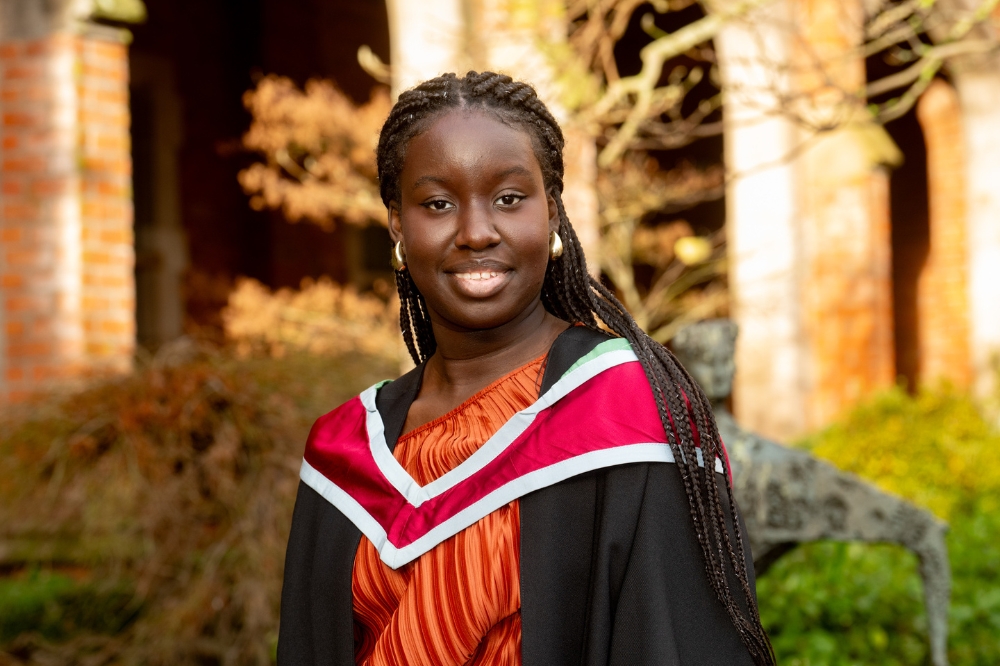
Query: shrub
[[934, 449], [835, 603], [172, 487], [322, 317]]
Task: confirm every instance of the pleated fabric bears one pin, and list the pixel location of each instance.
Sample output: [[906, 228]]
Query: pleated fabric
[[460, 602]]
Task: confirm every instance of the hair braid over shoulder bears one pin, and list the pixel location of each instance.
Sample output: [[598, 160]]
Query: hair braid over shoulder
[[571, 294]]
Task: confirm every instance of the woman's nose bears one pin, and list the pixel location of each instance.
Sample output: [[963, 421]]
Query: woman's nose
[[476, 230]]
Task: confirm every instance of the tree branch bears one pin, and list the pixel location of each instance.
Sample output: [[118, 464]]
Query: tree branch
[[644, 84], [932, 59]]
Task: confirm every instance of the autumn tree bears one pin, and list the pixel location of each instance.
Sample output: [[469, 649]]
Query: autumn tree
[[318, 146]]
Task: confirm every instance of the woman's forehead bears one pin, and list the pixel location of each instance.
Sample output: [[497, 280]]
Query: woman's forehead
[[469, 139], [472, 122]]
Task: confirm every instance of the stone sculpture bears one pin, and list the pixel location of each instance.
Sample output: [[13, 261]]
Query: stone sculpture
[[788, 496]]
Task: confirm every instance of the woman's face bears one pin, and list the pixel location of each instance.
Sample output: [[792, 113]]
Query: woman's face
[[474, 219]]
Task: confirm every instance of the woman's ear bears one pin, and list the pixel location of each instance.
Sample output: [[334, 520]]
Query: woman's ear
[[553, 213], [395, 228]]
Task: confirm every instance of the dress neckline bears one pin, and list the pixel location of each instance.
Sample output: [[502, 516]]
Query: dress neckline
[[468, 402]]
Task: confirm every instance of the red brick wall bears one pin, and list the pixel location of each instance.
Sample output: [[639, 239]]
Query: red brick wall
[[106, 203], [65, 211]]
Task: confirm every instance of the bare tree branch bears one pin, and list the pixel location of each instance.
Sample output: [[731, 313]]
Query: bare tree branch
[[642, 89], [931, 60]]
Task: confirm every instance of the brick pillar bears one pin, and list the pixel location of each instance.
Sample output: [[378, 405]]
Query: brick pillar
[[942, 289], [106, 202], [807, 217], [40, 225], [65, 209]]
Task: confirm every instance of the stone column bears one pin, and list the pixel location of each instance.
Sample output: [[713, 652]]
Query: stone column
[[425, 40], [979, 95], [762, 229], [807, 217], [160, 242], [846, 286], [65, 198], [942, 288]]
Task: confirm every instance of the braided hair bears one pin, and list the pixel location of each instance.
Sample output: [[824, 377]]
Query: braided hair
[[571, 294]]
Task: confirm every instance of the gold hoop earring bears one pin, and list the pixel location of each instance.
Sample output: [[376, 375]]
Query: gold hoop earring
[[555, 245], [398, 256]]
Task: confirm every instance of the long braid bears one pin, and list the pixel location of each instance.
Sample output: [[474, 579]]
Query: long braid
[[571, 294], [405, 313]]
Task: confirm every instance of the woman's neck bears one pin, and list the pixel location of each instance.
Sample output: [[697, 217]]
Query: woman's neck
[[466, 362]]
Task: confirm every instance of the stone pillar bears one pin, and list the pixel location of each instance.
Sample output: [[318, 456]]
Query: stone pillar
[[425, 40], [979, 95], [66, 281], [942, 289], [160, 242], [762, 228], [438, 36], [846, 287], [807, 217]]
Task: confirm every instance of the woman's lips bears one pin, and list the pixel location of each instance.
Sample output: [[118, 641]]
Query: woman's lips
[[480, 284]]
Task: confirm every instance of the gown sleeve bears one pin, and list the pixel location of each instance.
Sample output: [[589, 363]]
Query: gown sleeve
[[317, 622], [664, 610], [612, 573]]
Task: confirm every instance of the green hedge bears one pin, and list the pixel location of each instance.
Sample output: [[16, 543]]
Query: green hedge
[[837, 604]]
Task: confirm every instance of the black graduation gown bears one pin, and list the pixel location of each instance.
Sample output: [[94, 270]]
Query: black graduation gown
[[611, 569]]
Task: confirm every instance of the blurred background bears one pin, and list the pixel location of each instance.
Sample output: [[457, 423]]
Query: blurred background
[[194, 266]]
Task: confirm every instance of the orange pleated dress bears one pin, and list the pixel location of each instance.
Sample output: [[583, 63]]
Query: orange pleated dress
[[459, 603]]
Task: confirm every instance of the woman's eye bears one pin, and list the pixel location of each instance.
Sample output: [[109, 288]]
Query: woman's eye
[[438, 204], [509, 199]]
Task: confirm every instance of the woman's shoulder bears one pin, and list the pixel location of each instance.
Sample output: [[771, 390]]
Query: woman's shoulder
[[572, 345]]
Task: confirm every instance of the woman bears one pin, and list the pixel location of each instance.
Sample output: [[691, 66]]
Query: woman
[[536, 491]]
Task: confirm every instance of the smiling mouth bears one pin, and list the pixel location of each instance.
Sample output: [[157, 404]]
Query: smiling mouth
[[480, 284], [479, 275]]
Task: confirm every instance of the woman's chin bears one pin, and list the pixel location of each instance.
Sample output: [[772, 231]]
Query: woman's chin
[[484, 315]]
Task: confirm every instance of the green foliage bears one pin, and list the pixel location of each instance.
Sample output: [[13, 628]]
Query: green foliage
[[844, 604], [975, 607], [934, 449], [839, 604]]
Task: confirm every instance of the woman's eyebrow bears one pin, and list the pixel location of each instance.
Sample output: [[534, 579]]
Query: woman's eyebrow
[[516, 169], [510, 171], [428, 179]]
